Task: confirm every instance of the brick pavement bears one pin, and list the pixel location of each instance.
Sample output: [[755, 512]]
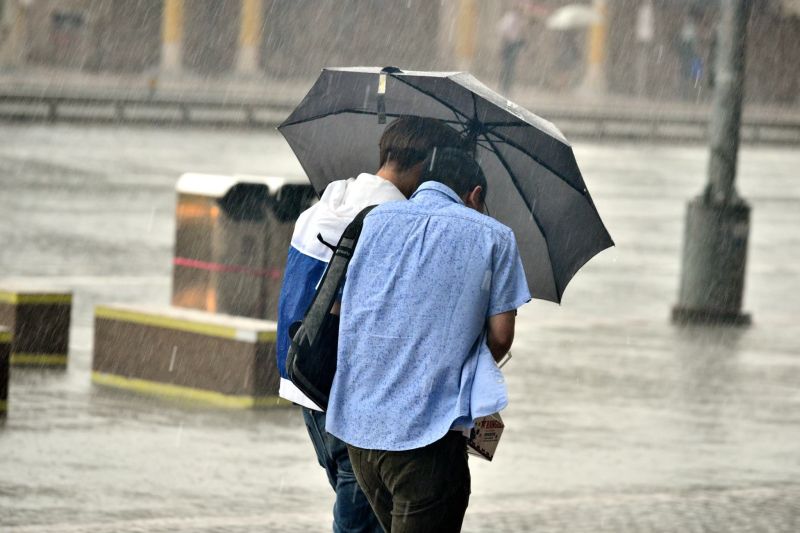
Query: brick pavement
[[763, 510]]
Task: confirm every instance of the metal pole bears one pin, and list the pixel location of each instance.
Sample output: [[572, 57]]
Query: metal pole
[[727, 102], [718, 221]]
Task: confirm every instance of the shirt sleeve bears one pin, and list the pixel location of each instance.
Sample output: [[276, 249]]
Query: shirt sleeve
[[509, 287]]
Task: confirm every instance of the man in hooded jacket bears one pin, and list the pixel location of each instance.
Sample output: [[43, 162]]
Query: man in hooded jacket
[[404, 145]]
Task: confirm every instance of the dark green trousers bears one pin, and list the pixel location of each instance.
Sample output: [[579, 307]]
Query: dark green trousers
[[421, 490]]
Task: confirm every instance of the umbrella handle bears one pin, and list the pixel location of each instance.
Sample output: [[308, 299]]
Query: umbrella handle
[[382, 92]]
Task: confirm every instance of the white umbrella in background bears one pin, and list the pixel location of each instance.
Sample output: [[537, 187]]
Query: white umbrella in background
[[791, 7], [573, 16]]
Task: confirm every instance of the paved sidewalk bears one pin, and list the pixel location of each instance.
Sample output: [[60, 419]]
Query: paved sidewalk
[[765, 510], [618, 421]]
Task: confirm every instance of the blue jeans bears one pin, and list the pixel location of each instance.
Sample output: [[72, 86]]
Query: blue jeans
[[351, 512]]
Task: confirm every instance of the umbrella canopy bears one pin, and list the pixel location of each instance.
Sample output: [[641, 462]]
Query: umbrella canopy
[[535, 186], [573, 16]]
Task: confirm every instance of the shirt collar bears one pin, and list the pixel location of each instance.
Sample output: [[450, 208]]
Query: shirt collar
[[440, 188]]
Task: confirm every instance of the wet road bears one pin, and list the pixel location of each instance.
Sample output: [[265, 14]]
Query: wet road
[[618, 420]]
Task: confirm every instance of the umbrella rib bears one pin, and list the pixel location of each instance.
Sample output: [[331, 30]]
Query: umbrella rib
[[516, 124], [430, 95], [501, 137], [355, 112], [512, 144], [470, 129], [530, 209], [491, 130]]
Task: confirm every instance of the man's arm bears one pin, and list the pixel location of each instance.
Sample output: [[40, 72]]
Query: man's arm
[[500, 334]]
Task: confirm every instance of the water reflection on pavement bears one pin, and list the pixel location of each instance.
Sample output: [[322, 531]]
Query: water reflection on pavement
[[618, 421]]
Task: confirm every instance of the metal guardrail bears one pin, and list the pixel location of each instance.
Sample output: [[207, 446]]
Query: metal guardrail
[[142, 108], [631, 124], [675, 127]]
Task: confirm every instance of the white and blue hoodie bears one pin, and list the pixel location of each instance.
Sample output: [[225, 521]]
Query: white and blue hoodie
[[308, 257]]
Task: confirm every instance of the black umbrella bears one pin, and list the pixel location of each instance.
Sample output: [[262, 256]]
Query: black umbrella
[[535, 186]]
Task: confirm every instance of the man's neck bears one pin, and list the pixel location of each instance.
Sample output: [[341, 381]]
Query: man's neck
[[388, 174], [399, 179]]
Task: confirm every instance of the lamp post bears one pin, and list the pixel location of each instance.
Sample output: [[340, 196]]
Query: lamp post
[[718, 221]]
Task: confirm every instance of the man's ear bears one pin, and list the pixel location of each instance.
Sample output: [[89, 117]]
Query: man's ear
[[474, 198]]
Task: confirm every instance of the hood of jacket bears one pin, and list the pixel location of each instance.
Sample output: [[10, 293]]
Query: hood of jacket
[[340, 203]]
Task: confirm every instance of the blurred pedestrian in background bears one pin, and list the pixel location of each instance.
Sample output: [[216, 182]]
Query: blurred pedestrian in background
[[511, 29], [689, 54], [569, 59]]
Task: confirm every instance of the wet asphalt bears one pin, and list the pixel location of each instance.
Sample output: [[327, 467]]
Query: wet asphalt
[[619, 421]]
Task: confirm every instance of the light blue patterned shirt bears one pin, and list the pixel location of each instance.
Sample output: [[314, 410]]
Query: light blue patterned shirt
[[425, 277]]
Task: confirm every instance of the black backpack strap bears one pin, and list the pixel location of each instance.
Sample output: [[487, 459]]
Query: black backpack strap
[[311, 360], [349, 239], [328, 289]]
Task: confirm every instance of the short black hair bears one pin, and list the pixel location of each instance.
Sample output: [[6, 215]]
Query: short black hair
[[408, 140], [455, 168]]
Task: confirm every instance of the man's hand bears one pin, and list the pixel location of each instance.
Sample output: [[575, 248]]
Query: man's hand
[[500, 334]]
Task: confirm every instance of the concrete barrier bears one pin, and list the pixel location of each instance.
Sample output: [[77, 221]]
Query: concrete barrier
[[186, 354], [5, 363], [648, 121], [39, 323], [232, 235]]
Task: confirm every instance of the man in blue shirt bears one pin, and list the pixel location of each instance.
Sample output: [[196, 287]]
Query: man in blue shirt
[[432, 281], [402, 148]]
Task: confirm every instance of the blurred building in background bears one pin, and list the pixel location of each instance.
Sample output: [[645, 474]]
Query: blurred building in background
[[653, 48]]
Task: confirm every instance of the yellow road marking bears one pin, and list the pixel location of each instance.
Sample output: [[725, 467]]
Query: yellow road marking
[[38, 359], [23, 298], [169, 390]]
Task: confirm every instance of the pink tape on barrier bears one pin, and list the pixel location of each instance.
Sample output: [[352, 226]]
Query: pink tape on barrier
[[271, 273]]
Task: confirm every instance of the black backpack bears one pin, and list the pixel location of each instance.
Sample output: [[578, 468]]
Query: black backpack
[[311, 360]]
